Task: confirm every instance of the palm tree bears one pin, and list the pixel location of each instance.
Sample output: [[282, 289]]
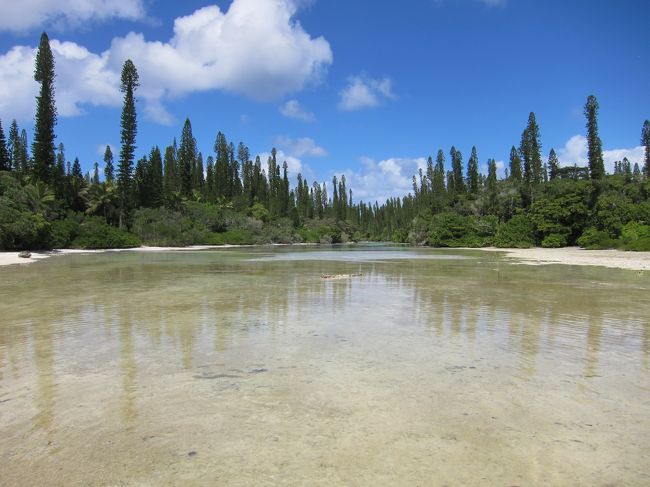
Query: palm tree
[[38, 196], [103, 200]]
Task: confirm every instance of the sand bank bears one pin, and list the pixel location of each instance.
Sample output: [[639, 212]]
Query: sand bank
[[617, 259]]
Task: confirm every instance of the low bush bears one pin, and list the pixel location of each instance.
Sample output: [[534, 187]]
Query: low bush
[[554, 241], [518, 232], [594, 239], [94, 233]]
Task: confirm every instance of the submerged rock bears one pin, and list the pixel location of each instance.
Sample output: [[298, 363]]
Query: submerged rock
[[339, 276]]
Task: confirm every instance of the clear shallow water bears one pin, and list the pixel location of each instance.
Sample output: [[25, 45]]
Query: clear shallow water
[[244, 367]]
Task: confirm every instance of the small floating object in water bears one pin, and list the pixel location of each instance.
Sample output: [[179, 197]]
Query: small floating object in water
[[25, 254], [339, 276]]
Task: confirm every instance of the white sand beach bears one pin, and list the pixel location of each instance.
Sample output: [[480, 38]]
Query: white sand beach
[[617, 259]]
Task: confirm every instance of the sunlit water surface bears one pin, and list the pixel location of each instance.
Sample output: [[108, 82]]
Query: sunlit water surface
[[246, 367]]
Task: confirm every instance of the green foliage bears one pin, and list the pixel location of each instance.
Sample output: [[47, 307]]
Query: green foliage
[[518, 232], [453, 230], [64, 232], [259, 212], [562, 209], [45, 119], [94, 233], [612, 210], [554, 241], [594, 239], [635, 236], [232, 237], [23, 230]]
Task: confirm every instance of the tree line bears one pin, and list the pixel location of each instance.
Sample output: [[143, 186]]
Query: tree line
[[175, 196]]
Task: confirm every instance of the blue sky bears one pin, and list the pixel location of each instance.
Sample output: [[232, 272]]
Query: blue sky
[[368, 88]]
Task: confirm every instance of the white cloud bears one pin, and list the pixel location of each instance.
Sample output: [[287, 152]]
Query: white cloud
[[255, 48], [21, 15], [81, 78], [294, 164], [575, 151], [300, 147], [101, 150], [378, 181], [293, 109], [363, 92]]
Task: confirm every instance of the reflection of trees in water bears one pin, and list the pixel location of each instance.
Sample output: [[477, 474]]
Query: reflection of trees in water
[[182, 313], [42, 342], [530, 316]]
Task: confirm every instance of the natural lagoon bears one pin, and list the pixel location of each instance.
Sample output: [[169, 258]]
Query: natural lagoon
[[246, 367]]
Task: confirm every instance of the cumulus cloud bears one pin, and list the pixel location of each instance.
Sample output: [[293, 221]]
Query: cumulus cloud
[[255, 49], [294, 164], [364, 92], [575, 151], [81, 78], [293, 109], [300, 147], [378, 181], [21, 15]]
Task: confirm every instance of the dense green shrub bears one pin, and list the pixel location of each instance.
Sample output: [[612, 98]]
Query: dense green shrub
[[23, 230], [232, 237], [64, 232], [593, 239], [94, 233], [635, 236], [554, 241], [518, 232], [453, 230]]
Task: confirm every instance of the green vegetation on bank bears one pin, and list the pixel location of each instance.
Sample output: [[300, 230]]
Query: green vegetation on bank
[[176, 197]]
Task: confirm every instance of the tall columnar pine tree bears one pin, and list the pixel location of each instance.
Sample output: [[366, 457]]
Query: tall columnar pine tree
[[531, 153], [95, 178], [169, 172], [645, 141], [458, 185], [5, 161], [13, 145], [45, 120], [129, 83], [187, 158], [491, 186], [156, 175], [109, 171], [472, 173], [515, 165], [553, 165], [595, 147], [221, 165], [23, 154]]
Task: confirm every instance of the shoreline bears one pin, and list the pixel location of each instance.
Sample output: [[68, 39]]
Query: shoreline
[[616, 259]]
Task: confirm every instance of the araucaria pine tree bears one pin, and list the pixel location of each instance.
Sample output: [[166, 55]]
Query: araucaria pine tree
[[645, 141], [43, 146], [515, 165], [553, 165], [595, 146], [108, 165], [129, 83], [5, 161], [472, 172]]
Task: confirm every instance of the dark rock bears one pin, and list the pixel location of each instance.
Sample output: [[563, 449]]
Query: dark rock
[[25, 254]]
